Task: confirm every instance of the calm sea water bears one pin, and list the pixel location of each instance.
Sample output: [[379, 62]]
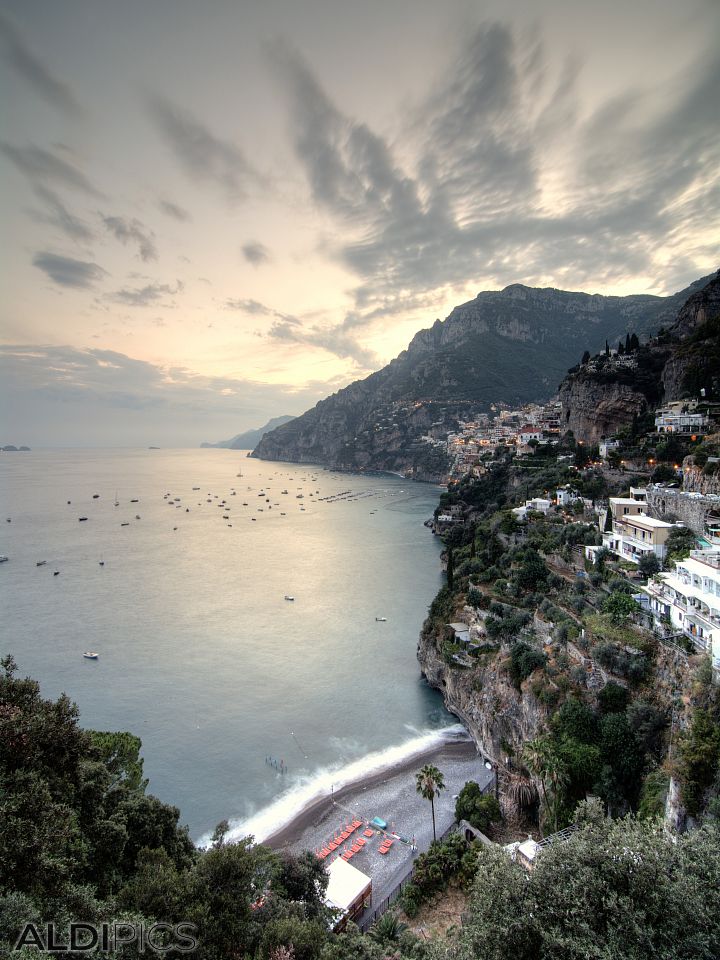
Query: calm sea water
[[200, 653]]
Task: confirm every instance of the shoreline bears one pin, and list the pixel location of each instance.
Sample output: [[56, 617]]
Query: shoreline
[[311, 816]]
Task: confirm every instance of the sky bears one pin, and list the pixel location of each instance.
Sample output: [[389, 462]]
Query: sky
[[215, 213]]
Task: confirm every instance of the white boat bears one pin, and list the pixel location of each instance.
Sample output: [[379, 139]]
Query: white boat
[[381, 619], [288, 597], [90, 656], [4, 559]]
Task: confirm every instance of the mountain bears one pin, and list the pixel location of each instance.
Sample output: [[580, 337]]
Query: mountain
[[608, 394], [510, 346], [249, 439]]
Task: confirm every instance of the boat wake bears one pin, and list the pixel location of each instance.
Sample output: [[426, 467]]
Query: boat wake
[[308, 789]]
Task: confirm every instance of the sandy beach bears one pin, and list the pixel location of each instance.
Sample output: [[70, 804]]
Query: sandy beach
[[390, 794]]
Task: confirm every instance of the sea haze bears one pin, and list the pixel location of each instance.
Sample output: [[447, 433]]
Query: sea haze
[[200, 654]]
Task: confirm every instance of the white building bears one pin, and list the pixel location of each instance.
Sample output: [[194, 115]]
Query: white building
[[529, 432], [689, 598], [566, 495], [537, 504], [605, 446], [636, 535], [681, 417]]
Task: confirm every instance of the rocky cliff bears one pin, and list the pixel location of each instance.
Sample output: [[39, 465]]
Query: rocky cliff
[[500, 718], [608, 393], [510, 346]]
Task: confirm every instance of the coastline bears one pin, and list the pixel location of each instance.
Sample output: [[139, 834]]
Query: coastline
[[313, 815]]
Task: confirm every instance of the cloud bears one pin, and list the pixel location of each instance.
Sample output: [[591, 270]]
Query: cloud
[[253, 307], [68, 272], [67, 396], [203, 155], [57, 214], [510, 180], [334, 340], [145, 296], [18, 55], [132, 231], [173, 210], [256, 253], [41, 166]]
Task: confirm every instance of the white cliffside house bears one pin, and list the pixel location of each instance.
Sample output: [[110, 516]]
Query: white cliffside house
[[681, 417], [689, 599]]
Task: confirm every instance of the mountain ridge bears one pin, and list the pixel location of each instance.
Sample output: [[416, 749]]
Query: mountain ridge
[[250, 438], [509, 346]]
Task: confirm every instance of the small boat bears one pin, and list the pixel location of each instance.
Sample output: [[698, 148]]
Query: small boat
[[80, 519], [101, 563], [89, 655], [137, 516], [288, 597], [134, 501], [96, 496], [196, 488], [381, 619], [126, 524], [40, 563], [56, 573], [4, 559]]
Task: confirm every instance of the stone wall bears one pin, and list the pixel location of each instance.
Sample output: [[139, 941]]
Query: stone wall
[[663, 502]]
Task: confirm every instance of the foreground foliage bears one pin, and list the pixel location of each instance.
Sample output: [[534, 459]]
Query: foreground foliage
[[617, 890]]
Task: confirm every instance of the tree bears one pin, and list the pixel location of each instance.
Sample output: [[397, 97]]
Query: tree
[[617, 889], [619, 606], [585, 357], [479, 809], [544, 763], [649, 565], [428, 783]]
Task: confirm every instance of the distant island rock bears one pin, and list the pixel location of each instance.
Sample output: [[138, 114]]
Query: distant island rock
[[11, 449], [250, 439]]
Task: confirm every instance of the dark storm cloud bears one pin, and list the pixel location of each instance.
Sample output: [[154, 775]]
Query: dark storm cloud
[[626, 180], [24, 62], [57, 214], [145, 296], [41, 166], [68, 272], [256, 253], [173, 210], [203, 155], [132, 231]]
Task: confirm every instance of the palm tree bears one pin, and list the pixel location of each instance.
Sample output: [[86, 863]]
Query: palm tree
[[543, 762], [428, 783]]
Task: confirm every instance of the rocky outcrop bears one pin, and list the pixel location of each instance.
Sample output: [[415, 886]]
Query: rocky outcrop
[[499, 718], [509, 346], [594, 408], [609, 393]]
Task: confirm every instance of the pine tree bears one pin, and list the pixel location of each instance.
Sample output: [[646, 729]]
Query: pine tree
[[585, 357], [634, 342], [607, 349], [450, 569]]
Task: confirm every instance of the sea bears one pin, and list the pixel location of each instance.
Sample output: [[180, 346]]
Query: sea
[[255, 623]]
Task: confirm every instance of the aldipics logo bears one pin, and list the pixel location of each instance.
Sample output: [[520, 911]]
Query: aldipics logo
[[82, 937]]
